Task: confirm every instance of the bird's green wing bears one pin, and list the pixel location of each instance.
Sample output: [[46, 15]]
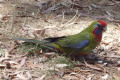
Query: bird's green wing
[[78, 41]]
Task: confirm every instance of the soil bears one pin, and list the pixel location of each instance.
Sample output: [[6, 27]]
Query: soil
[[38, 19]]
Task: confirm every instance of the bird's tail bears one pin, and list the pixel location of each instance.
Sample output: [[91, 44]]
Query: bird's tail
[[32, 41], [43, 43]]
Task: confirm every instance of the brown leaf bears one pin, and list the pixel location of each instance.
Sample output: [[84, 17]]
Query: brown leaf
[[1, 34], [2, 66], [38, 33], [9, 64], [5, 17]]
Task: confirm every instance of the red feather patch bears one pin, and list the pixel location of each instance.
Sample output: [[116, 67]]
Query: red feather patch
[[103, 23]]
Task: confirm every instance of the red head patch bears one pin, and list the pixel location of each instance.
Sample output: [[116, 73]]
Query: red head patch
[[103, 23]]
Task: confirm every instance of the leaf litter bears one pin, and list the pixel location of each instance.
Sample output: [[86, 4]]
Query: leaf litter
[[39, 19]]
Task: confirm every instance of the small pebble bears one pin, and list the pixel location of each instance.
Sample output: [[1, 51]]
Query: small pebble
[[100, 62], [105, 64]]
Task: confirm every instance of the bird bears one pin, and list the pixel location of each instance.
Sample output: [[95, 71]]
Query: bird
[[80, 44]]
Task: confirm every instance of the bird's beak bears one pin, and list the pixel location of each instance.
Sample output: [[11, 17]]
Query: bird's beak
[[105, 28]]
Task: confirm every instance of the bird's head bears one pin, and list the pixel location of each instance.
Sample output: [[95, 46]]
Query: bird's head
[[98, 27]]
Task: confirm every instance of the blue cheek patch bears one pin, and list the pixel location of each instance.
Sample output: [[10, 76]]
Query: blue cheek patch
[[80, 44], [98, 31]]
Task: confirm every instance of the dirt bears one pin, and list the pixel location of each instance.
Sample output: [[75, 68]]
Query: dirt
[[37, 19]]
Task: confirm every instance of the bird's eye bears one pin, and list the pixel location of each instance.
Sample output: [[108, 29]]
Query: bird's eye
[[99, 25]]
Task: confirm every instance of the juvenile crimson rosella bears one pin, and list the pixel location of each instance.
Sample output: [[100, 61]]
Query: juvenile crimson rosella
[[79, 44]]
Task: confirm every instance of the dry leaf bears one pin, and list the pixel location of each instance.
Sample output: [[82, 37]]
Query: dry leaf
[[67, 77], [18, 66], [29, 75], [11, 47], [23, 61], [21, 76], [60, 73], [6, 53], [50, 32], [32, 32], [113, 56], [2, 66], [1, 16], [1, 52], [50, 54], [61, 65], [105, 77], [5, 17], [11, 62], [43, 59], [93, 67], [42, 77], [109, 13], [31, 64], [3, 59]]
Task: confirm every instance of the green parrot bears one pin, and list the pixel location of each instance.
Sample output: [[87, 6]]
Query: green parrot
[[79, 44]]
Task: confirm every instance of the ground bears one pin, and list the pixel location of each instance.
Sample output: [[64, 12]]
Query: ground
[[37, 19]]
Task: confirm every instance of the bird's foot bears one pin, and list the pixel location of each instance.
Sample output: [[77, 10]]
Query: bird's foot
[[91, 57]]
